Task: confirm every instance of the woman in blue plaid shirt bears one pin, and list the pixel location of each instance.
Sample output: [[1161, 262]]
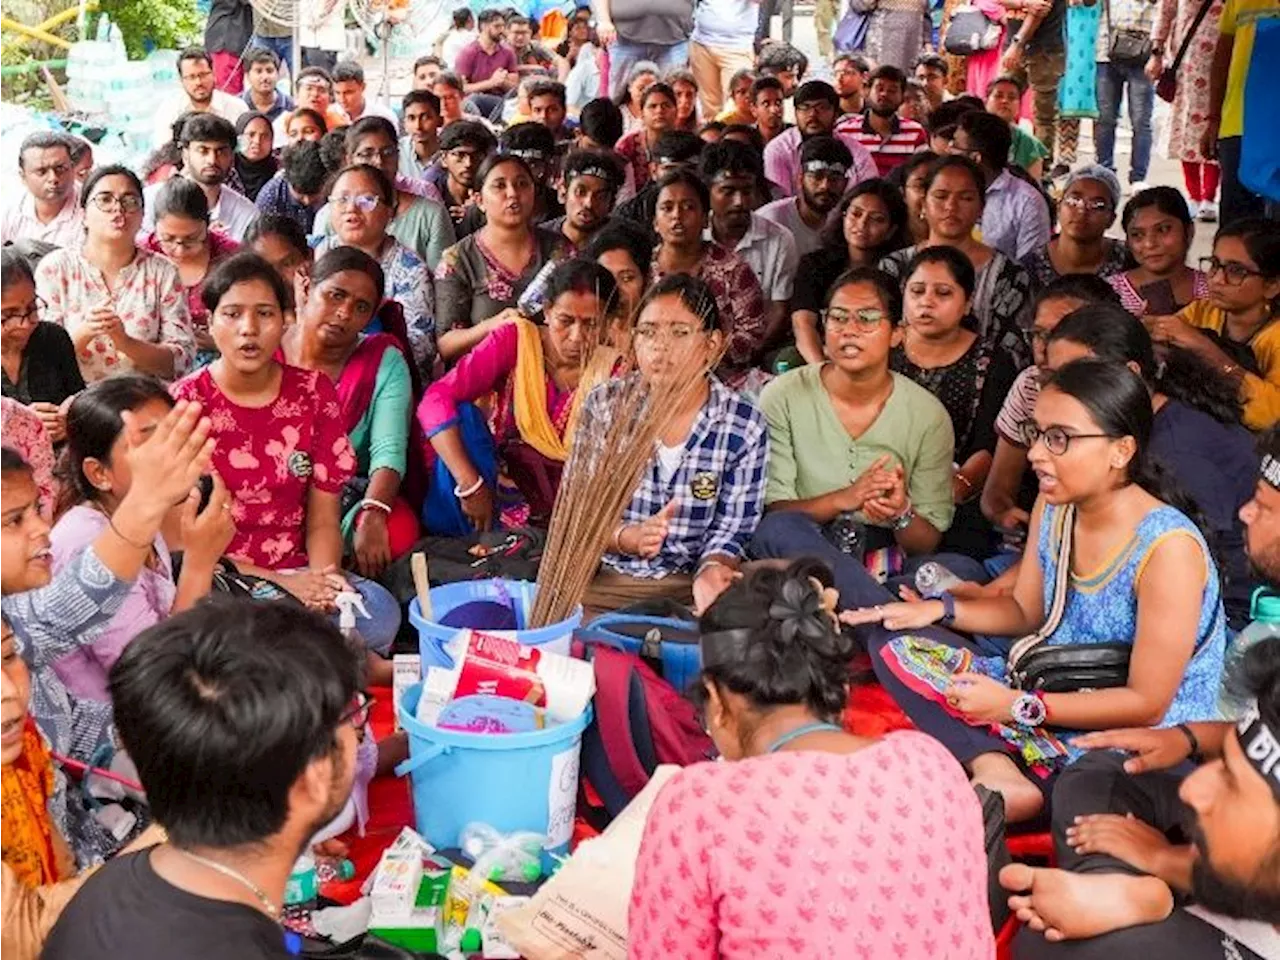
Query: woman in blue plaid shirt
[[685, 532]]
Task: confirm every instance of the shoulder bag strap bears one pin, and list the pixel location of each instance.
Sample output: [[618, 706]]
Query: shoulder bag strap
[[1061, 587], [1191, 32]]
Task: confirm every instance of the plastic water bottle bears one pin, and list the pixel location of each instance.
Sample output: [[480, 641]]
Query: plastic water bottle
[[933, 580], [1264, 611], [301, 893], [849, 535]]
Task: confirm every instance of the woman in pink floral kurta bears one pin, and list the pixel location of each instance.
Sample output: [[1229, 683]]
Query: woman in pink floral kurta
[[123, 307], [1191, 103]]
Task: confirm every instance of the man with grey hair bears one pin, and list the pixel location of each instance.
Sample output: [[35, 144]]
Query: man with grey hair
[[47, 209]]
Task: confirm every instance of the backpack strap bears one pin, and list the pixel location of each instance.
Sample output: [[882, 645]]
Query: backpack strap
[[614, 671]]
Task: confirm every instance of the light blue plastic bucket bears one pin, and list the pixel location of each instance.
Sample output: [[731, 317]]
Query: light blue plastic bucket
[[432, 635], [511, 781]]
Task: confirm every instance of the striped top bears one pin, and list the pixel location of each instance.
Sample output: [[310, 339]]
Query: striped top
[[1019, 406], [906, 137]]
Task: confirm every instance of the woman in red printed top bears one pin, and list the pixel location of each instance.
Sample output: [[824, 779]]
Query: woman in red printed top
[[282, 449]]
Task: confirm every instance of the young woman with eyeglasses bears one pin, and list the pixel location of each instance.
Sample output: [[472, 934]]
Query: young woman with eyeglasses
[[853, 443], [1140, 575], [1087, 210], [38, 360], [1159, 230], [361, 204], [123, 306], [1234, 328], [182, 233]]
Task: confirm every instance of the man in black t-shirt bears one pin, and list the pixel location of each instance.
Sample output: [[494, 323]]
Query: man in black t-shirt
[[242, 718], [1037, 56]]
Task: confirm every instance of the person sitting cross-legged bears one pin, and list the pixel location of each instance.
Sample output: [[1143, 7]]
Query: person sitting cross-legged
[[684, 534]]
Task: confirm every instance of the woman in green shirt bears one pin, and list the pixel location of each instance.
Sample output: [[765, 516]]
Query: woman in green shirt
[[375, 391], [860, 457]]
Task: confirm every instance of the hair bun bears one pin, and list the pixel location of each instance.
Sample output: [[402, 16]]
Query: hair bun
[[805, 614]]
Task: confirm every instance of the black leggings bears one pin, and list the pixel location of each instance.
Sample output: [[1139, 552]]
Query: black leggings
[[790, 534], [1182, 936]]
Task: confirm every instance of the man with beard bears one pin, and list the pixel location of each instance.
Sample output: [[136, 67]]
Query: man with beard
[[816, 104], [890, 138], [850, 74], [488, 66], [208, 149], [47, 210], [1123, 887], [824, 177], [224, 695], [733, 171], [199, 95]]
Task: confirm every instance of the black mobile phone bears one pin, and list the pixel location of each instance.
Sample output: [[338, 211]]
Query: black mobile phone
[[205, 486], [1159, 298]]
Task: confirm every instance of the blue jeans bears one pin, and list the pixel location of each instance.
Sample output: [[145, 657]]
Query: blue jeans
[[1113, 78], [380, 628], [282, 47], [624, 55]]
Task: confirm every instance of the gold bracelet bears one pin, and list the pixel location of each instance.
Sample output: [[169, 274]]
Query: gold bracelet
[[111, 521]]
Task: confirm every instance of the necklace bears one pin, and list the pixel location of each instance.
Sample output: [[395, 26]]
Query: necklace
[[272, 910], [799, 732]]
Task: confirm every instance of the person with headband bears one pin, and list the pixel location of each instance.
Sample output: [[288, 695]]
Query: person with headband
[[1121, 886], [715, 876], [817, 106], [825, 165], [674, 150], [592, 179]]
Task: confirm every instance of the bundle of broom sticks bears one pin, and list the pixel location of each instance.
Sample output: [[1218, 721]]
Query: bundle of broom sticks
[[614, 440]]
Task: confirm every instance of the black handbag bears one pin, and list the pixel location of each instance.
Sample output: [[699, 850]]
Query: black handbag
[[970, 31], [1066, 667], [1127, 46]]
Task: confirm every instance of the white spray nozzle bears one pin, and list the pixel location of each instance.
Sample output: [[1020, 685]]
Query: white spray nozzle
[[348, 602]]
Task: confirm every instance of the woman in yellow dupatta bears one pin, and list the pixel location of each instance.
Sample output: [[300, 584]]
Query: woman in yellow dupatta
[[537, 373]]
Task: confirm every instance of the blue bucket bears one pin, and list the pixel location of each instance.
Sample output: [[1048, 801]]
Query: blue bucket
[[432, 635], [511, 781]]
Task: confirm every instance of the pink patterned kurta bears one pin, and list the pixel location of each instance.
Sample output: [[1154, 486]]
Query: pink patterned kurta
[[148, 298], [873, 855], [1191, 103], [270, 458]]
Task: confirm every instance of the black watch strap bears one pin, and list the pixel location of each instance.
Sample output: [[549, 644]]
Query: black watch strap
[[1191, 739]]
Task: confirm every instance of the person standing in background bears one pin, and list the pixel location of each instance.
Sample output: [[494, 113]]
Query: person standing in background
[[488, 66], [226, 34], [275, 36], [722, 47], [636, 30], [1078, 92], [1120, 73], [898, 32], [825, 14], [1038, 56], [457, 37], [322, 32], [1190, 115]]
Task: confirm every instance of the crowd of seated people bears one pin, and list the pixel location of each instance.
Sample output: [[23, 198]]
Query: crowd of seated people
[[901, 350]]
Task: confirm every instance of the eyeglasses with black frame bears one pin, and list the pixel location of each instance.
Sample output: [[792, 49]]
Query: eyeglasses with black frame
[[1234, 273], [29, 315], [358, 713], [1057, 440]]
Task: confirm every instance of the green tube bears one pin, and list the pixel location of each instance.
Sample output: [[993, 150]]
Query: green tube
[[14, 69]]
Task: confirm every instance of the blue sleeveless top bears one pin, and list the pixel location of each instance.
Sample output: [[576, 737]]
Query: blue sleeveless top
[[1103, 607]]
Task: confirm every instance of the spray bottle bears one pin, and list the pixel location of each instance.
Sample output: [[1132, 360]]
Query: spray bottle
[[348, 602]]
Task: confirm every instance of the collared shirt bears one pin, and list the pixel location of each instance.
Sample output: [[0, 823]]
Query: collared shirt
[[19, 222], [226, 105], [782, 161], [905, 138], [718, 484], [231, 215], [1137, 15], [375, 108], [770, 251], [1015, 219], [411, 166], [148, 298], [282, 104]]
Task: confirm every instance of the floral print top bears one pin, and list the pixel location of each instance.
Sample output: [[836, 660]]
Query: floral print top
[[220, 247], [270, 457], [148, 298], [739, 300]]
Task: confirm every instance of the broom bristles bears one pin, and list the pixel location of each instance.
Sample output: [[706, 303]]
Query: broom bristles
[[612, 444]]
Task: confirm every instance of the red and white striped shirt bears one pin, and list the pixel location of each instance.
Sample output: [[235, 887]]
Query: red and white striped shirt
[[906, 137]]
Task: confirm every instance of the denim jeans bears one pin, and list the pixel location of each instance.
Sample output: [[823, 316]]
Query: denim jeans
[[1113, 79], [282, 47], [623, 55]]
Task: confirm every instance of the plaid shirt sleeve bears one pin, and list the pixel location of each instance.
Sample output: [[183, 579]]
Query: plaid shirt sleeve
[[741, 497]]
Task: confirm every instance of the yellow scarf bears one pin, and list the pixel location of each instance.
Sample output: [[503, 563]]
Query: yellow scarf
[[27, 785], [529, 396]]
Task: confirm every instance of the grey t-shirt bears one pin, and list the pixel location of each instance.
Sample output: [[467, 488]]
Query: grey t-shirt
[[652, 21]]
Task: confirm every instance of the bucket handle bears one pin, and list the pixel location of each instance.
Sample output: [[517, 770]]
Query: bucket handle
[[406, 767]]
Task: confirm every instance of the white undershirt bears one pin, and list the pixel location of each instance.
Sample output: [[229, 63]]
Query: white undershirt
[[669, 462]]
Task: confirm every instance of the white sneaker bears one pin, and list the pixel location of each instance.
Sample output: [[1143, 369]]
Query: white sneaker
[[1193, 207], [1137, 186], [1208, 212]]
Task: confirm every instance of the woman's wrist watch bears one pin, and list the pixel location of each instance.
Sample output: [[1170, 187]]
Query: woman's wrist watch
[[903, 520], [1029, 709]]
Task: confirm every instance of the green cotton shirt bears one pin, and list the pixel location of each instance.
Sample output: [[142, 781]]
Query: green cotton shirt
[[381, 438], [1026, 149], [811, 453]]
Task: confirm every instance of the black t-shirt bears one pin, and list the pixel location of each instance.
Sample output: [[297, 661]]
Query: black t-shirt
[[126, 910], [1049, 36]]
